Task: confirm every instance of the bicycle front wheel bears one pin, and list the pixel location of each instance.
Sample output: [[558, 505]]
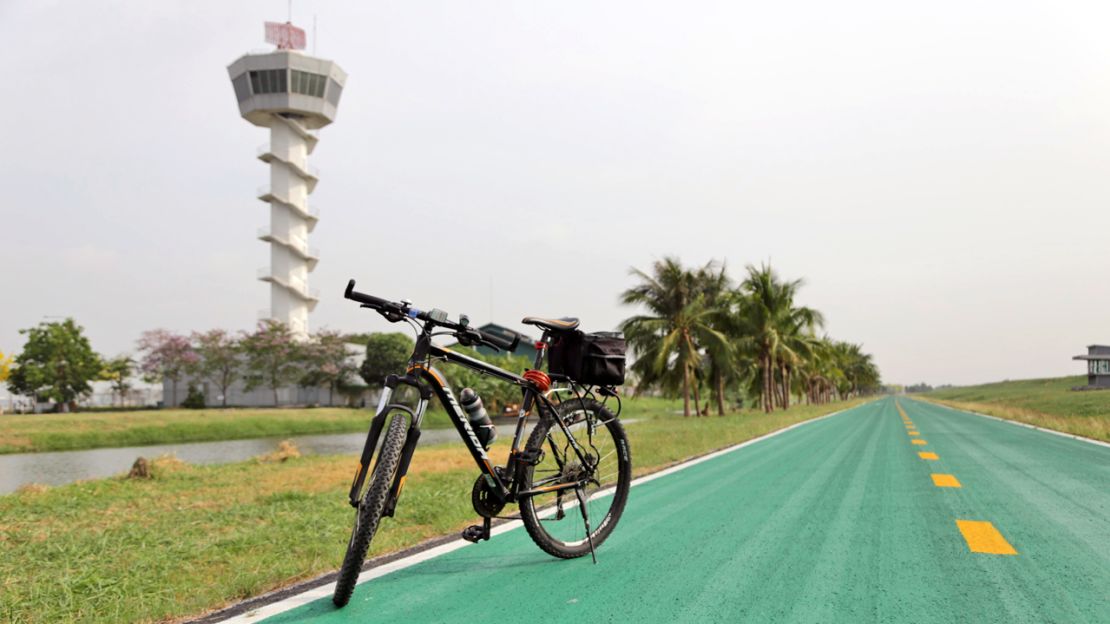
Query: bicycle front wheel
[[369, 512], [555, 520]]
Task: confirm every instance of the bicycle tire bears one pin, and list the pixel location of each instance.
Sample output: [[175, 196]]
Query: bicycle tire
[[369, 513], [532, 508]]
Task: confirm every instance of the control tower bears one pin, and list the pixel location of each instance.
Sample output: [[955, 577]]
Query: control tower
[[293, 95]]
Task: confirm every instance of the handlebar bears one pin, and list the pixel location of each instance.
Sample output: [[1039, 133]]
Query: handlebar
[[394, 312], [369, 300]]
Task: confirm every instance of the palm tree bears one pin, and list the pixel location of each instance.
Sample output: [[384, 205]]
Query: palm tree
[[679, 322], [774, 330], [819, 372], [859, 373], [698, 328], [715, 288], [799, 344]]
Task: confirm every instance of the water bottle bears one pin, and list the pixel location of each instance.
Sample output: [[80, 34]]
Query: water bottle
[[479, 419]]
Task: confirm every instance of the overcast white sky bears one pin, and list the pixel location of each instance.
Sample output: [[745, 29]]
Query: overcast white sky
[[938, 172]]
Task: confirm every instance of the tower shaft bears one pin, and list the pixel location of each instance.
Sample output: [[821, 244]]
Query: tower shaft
[[291, 221]]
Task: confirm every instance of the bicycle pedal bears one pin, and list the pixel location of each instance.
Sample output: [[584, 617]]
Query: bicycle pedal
[[475, 534]]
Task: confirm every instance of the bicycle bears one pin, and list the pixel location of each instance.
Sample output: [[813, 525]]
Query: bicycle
[[570, 478]]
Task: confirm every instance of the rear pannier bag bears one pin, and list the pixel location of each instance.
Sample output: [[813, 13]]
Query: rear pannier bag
[[596, 359]]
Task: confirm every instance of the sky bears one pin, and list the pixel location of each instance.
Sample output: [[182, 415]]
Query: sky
[[939, 173]]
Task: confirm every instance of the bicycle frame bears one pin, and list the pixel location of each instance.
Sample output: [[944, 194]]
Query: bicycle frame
[[428, 381]]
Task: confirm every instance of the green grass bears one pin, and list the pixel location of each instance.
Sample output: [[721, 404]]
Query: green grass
[[1048, 403], [82, 430], [198, 537]]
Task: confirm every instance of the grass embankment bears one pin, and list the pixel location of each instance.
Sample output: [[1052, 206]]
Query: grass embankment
[[1048, 403], [198, 537], [31, 433]]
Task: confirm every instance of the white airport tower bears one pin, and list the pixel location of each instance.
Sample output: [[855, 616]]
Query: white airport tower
[[292, 94]]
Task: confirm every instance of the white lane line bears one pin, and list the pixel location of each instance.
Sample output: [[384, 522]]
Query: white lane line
[[1020, 424], [326, 591]]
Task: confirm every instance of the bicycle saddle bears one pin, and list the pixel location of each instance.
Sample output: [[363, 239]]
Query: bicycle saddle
[[563, 324]]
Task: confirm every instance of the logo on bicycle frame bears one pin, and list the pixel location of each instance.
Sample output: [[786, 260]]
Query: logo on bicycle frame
[[457, 412]]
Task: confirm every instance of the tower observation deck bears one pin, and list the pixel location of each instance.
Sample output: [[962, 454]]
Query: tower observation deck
[[293, 95]]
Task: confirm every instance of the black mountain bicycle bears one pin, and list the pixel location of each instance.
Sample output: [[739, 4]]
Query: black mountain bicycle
[[570, 478]]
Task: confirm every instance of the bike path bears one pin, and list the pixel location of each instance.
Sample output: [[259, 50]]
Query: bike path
[[835, 521]]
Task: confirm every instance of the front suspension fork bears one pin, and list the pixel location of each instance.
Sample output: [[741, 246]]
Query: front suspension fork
[[376, 426]]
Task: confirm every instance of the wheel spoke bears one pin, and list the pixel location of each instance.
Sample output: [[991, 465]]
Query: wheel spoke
[[603, 468]]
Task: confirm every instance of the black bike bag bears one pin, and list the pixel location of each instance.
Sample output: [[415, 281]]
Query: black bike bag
[[596, 359]]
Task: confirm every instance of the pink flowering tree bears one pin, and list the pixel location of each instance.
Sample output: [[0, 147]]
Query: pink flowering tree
[[328, 362], [272, 357], [166, 355], [221, 358]]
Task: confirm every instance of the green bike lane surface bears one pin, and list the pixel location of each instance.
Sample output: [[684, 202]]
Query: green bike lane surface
[[834, 521]]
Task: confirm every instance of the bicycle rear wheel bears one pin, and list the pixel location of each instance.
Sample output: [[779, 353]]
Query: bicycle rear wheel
[[555, 520], [369, 512]]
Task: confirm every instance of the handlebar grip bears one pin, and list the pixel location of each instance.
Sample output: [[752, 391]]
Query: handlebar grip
[[501, 342], [354, 295]]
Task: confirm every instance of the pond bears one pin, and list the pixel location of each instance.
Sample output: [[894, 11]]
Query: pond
[[57, 468]]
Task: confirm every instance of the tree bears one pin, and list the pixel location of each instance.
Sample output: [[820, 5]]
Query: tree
[[220, 359], [678, 323], [272, 357], [166, 355], [118, 371], [770, 323], [714, 286], [328, 361], [386, 354], [5, 366], [698, 329], [818, 372], [495, 394], [57, 363], [859, 373]]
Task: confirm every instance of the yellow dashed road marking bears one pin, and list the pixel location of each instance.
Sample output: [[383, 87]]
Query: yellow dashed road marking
[[919, 442], [914, 432], [927, 455], [982, 537], [945, 480]]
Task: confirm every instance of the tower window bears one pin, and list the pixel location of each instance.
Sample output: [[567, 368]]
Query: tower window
[[334, 91], [306, 83], [242, 91], [268, 81]]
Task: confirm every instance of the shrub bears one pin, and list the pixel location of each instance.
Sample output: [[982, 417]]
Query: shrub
[[194, 399]]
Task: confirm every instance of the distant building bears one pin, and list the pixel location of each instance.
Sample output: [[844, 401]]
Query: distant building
[[1098, 366], [288, 396], [293, 95]]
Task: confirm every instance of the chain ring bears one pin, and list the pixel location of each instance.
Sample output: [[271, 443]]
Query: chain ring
[[483, 498]]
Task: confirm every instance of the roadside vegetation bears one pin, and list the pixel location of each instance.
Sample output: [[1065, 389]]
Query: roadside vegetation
[[30, 433], [701, 334], [193, 538], [1048, 403], [71, 431]]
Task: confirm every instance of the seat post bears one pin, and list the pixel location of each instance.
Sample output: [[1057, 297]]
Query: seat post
[[541, 350]]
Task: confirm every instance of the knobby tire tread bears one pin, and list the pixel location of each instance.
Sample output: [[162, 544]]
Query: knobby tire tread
[[370, 510]]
